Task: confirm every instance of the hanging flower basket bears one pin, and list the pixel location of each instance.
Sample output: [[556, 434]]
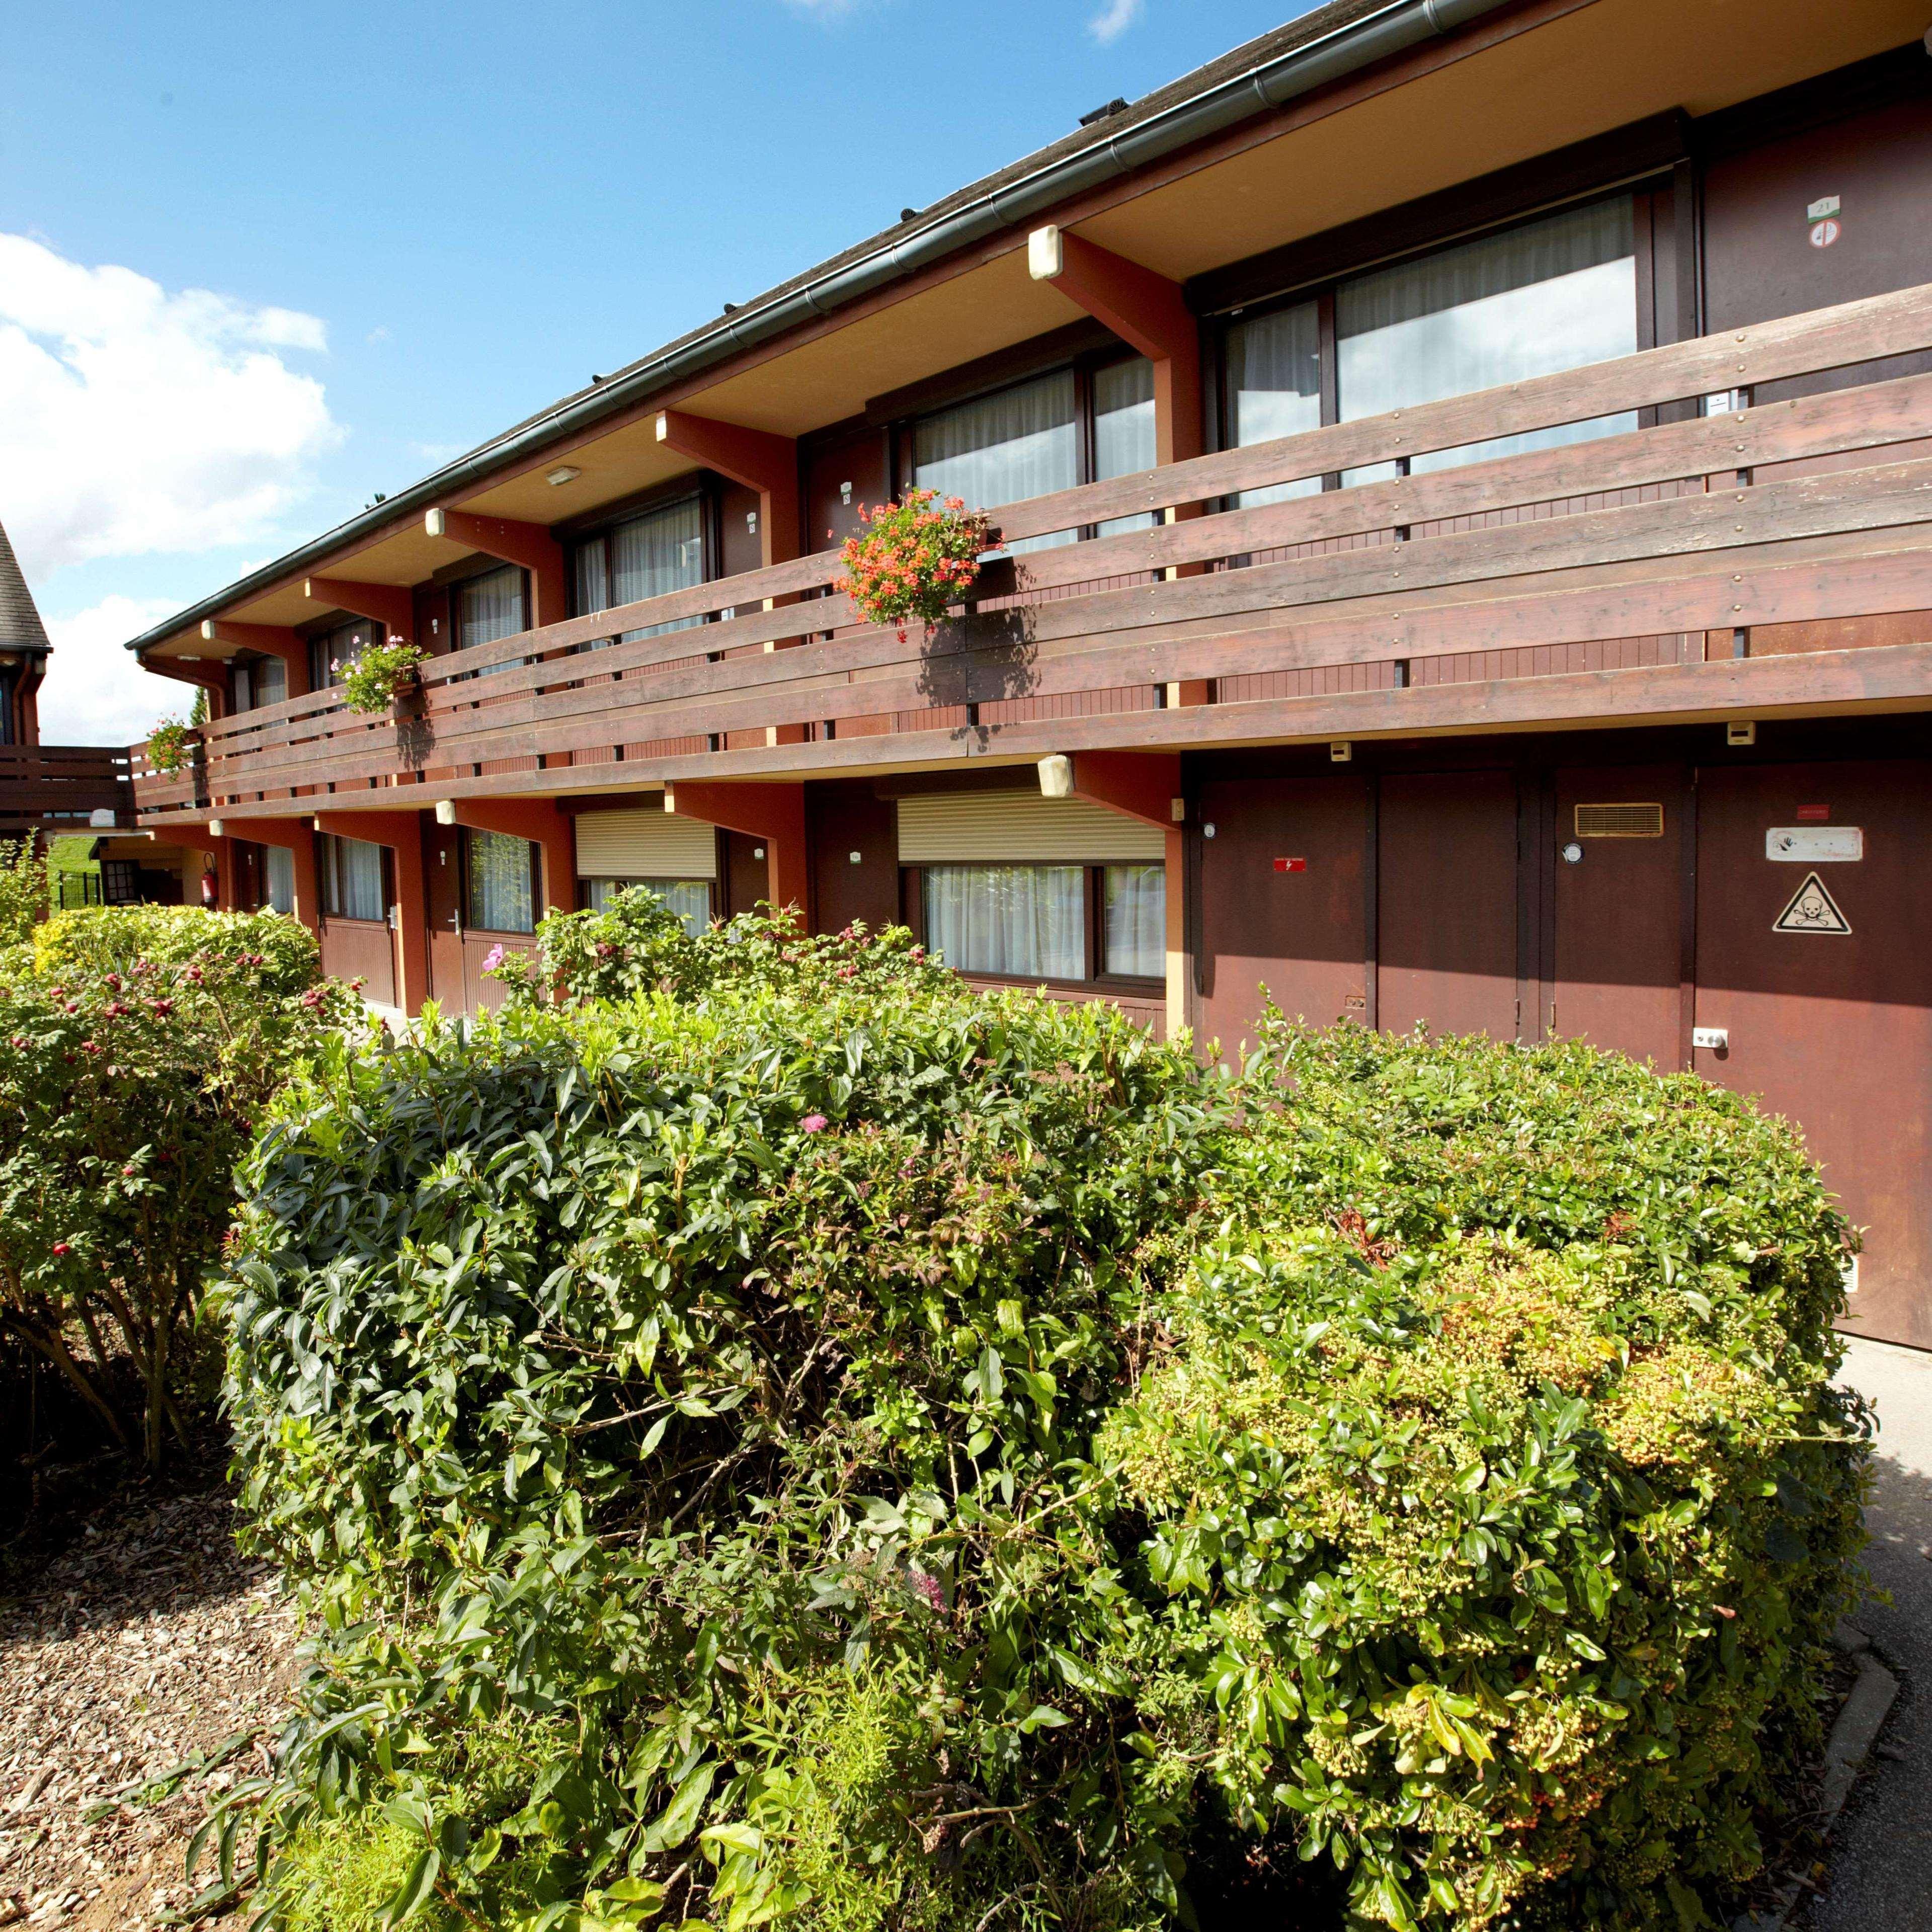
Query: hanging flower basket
[[374, 679], [913, 560], [170, 745]]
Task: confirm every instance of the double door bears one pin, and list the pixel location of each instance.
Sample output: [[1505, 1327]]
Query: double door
[[1642, 907]]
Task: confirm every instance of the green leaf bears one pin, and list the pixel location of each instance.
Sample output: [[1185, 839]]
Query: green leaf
[[416, 1889]]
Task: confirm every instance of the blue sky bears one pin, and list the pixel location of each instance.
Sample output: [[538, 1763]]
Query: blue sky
[[259, 262]]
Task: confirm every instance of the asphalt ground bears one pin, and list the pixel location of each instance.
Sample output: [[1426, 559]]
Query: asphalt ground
[[1880, 1861]]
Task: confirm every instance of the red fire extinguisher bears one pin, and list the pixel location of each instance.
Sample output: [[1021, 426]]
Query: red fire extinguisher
[[210, 890]]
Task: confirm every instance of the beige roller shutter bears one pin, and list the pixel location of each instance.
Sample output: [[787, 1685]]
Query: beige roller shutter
[[1012, 827], [645, 842]]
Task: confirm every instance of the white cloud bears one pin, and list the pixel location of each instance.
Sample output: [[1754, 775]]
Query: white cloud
[[1113, 20], [136, 421], [822, 10], [95, 694]]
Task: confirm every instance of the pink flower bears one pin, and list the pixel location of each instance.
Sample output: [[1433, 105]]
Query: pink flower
[[815, 1123], [927, 1586], [493, 959]]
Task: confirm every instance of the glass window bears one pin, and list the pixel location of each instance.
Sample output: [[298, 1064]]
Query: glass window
[[1555, 294], [1274, 387], [490, 606], [351, 879], [332, 653], [278, 878], [1001, 448], [501, 869], [1026, 921], [1124, 431], [271, 682], [1134, 899], [689, 898], [643, 557]]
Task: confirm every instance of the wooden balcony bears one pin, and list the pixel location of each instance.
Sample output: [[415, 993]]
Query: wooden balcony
[[58, 788], [1768, 560]]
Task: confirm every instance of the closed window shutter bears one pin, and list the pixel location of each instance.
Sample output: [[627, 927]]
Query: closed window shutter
[[644, 842], [1015, 827]]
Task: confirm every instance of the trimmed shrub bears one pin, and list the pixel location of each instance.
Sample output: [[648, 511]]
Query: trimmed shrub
[[126, 1098], [925, 1460], [274, 955]]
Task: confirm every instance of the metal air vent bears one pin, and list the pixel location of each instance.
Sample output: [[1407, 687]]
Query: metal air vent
[[1620, 821]]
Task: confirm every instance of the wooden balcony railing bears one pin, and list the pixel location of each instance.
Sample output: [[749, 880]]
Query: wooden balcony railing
[[1691, 565], [61, 787]]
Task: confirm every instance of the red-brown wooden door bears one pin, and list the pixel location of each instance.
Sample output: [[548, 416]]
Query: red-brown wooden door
[[1618, 894], [1446, 902], [1832, 1028], [442, 886], [1302, 932]]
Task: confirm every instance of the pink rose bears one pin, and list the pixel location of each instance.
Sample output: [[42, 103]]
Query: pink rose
[[493, 959]]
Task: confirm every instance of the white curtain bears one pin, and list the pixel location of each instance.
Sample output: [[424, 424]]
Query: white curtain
[[271, 682], [1274, 387], [1555, 294], [488, 608], [690, 899], [650, 555], [1135, 905], [1124, 431], [1026, 921], [500, 898], [278, 878], [352, 876], [342, 645], [1002, 449]]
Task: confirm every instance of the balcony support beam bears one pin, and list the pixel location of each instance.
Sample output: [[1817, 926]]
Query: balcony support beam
[[1145, 785], [295, 836], [401, 831], [529, 545], [391, 605], [543, 823], [774, 813], [273, 641], [1149, 314], [758, 459]]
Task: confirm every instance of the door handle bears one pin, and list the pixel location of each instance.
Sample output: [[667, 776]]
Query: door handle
[[1714, 1040]]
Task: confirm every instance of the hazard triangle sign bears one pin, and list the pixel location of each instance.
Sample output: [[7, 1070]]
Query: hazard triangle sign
[[1812, 910]]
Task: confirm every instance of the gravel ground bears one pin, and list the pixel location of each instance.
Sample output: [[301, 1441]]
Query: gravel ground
[[147, 1649]]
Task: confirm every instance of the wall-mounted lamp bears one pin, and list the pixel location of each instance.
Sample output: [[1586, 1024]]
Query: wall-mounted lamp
[[445, 811], [1340, 751], [1056, 776], [1741, 731], [1045, 255]]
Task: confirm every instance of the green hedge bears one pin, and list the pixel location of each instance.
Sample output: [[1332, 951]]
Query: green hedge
[[892, 1457], [277, 955]]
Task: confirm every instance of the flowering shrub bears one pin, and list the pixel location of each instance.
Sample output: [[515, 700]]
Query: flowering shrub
[[376, 676], [908, 1458], [912, 560], [262, 952], [169, 745], [127, 1094], [23, 889]]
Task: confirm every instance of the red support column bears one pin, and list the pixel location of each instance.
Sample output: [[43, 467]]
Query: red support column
[[275, 640], [401, 831], [295, 836], [536, 819], [530, 545], [774, 813], [1149, 312], [392, 606]]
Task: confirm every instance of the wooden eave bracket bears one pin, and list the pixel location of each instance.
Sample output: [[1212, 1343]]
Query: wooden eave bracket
[[388, 604], [1145, 785], [756, 458], [1146, 310]]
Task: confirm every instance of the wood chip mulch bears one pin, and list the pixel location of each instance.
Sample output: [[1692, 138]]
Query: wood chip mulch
[[142, 1671]]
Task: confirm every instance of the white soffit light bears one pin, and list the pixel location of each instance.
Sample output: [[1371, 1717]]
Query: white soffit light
[[565, 472]]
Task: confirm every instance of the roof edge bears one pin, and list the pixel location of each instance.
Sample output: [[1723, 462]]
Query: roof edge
[[1389, 30]]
